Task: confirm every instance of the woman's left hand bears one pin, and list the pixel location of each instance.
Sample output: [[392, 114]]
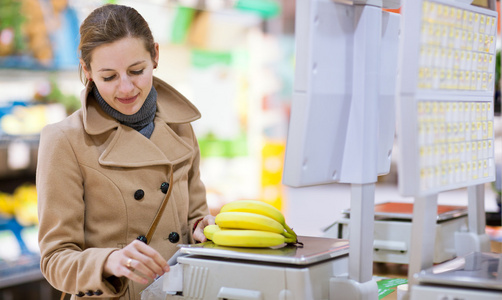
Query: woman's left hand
[[198, 233]]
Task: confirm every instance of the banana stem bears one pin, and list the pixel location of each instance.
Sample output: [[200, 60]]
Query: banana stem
[[293, 241], [290, 240], [291, 237], [289, 230], [287, 234]]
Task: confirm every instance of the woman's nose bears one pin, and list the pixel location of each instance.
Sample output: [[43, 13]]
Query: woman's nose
[[126, 84]]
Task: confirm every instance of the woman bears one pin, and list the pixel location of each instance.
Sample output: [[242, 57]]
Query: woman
[[104, 171]]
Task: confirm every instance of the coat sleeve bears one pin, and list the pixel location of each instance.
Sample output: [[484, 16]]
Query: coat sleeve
[[65, 261], [197, 192]]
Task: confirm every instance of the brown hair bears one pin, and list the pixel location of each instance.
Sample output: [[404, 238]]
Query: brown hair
[[110, 23]]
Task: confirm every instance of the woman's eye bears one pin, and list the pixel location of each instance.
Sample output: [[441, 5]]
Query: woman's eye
[[139, 72], [108, 78]]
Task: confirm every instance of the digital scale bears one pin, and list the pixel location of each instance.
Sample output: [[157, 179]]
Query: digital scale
[[305, 272], [475, 276], [393, 231]]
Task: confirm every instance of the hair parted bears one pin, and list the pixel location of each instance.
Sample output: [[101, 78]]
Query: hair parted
[[110, 23]]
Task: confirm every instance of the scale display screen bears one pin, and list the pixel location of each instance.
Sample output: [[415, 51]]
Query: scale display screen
[[445, 99]]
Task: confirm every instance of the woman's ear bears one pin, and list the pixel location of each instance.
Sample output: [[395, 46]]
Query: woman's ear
[[86, 70], [156, 58]]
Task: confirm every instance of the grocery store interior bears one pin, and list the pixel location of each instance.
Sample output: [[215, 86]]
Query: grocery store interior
[[235, 60]]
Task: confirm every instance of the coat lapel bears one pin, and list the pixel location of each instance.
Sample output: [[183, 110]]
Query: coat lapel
[[128, 148]]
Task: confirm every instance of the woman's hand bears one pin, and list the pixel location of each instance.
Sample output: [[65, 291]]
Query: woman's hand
[[137, 261], [198, 233]]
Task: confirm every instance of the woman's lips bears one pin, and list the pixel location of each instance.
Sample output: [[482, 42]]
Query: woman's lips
[[127, 100]]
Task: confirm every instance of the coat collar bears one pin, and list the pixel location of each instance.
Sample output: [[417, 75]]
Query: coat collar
[[126, 143], [172, 108]]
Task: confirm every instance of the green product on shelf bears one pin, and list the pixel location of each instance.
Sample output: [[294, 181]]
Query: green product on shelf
[[210, 146], [265, 8], [181, 24], [12, 19], [204, 58]]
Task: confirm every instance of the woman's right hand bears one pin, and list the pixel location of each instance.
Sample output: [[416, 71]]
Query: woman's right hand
[[136, 261]]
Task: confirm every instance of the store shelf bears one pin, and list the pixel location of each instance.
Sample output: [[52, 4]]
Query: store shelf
[[25, 283], [23, 85], [22, 271], [18, 156]]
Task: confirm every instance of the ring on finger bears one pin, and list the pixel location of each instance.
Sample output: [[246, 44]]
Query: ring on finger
[[128, 264]]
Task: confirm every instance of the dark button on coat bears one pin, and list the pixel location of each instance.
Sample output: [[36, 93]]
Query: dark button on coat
[[174, 237], [164, 187], [139, 194]]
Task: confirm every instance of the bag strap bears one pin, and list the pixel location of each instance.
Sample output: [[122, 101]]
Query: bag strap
[[147, 238]]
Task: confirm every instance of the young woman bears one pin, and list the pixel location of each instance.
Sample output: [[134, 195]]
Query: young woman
[[105, 172]]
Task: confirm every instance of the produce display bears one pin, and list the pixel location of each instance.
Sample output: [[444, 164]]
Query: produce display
[[250, 223], [36, 34], [21, 205], [27, 120]]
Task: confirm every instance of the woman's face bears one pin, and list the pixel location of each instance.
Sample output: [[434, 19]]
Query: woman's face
[[123, 73]]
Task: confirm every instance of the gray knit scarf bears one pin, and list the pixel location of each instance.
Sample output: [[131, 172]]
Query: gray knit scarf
[[142, 120]]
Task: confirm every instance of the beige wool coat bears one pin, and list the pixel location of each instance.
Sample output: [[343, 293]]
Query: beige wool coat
[[100, 185]]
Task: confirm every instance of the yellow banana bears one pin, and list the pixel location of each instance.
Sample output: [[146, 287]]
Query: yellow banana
[[209, 230], [245, 220], [258, 207], [254, 206], [249, 238]]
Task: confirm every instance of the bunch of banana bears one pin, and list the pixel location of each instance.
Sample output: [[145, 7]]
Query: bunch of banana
[[250, 223]]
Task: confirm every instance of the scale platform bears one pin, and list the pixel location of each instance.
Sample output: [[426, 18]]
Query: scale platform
[[475, 276], [314, 250], [393, 222], [404, 211], [287, 272]]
